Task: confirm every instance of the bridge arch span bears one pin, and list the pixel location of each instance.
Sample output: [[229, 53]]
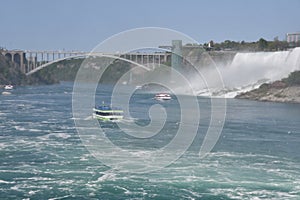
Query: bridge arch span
[[17, 59], [85, 56], [8, 56]]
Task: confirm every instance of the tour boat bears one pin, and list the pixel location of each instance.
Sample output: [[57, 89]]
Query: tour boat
[[107, 113], [163, 96], [8, 87], [138, 87]]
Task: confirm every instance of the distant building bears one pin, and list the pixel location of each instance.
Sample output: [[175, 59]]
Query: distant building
[[293, 37], [211, 44]]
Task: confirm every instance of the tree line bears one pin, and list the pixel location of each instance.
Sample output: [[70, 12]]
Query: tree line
[[260, 45]]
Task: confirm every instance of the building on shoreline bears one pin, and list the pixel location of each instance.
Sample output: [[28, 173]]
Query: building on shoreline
[[293, 38]]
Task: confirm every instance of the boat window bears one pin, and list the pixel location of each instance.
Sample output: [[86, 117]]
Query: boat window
[[103, 113]]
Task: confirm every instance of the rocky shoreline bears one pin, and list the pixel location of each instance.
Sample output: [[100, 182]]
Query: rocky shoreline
[[278, 91]]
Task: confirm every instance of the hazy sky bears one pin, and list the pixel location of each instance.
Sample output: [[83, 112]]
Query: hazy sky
[[82, 24]]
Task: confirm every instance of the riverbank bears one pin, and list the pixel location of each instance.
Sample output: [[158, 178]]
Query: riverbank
[[285, 90], [10, 74]]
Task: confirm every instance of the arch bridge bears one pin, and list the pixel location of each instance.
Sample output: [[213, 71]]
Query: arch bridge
[[32, 61]]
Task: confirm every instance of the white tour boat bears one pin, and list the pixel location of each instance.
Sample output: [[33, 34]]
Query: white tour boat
[[8, 87], [163, 96]]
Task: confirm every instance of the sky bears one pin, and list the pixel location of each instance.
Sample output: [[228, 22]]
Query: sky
[[82, 24]]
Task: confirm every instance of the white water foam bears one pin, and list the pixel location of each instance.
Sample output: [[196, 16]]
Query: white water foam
[[107, 177], [7, 182], [61, 135]]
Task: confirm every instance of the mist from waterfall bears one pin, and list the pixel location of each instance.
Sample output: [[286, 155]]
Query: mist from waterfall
[[247, 71]]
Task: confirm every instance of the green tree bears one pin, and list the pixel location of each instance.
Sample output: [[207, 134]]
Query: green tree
[[262, 44], [293, 78]]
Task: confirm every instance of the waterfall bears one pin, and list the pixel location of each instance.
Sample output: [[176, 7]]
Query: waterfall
[[248, 71], [249, 68]]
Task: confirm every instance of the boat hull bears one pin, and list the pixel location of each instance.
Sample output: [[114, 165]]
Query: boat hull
[[163, 98], [108, 118], [106, 113]]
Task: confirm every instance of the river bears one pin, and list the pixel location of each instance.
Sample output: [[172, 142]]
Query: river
[[43, 156]]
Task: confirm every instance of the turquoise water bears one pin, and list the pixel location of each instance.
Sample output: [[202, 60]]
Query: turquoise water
[[42, 156]]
